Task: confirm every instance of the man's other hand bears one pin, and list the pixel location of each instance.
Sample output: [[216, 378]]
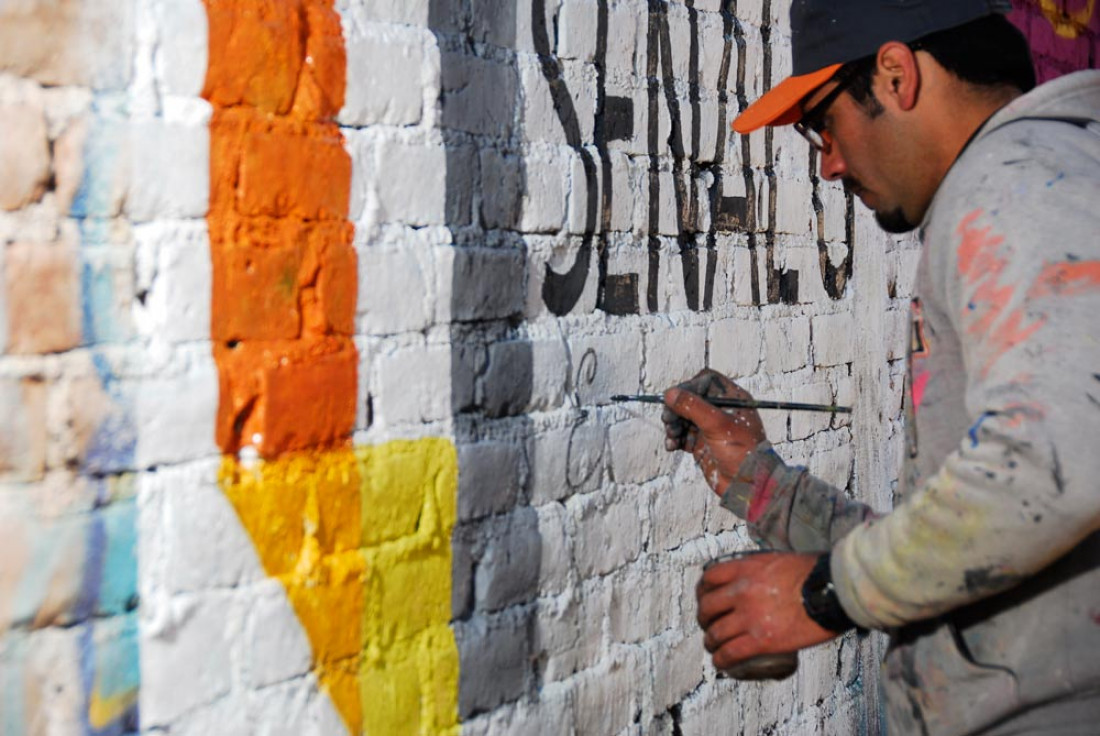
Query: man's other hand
[[718, 439], [753, 606]]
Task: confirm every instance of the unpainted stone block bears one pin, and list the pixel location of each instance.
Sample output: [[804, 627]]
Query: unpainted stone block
[[24, 154], [43, 286]]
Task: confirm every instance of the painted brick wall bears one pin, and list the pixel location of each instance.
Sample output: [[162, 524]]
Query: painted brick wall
[[309, 315]]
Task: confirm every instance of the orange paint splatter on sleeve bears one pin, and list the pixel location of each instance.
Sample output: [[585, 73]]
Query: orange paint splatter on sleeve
[[987, 315], [1067, 279]]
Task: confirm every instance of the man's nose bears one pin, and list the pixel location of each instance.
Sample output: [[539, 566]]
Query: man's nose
[[833, 166]]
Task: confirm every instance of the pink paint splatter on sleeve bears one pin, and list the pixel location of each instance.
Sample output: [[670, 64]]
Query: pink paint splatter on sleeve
[[920, 383], [761, 499]]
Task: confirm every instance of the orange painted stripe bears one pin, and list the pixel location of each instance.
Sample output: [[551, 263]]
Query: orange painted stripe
[[284, 290], [284, 270]]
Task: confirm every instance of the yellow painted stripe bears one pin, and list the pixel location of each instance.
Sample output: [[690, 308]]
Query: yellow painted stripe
[[361, 540]]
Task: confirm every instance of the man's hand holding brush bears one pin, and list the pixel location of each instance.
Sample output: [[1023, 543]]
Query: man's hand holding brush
[[718, 439]]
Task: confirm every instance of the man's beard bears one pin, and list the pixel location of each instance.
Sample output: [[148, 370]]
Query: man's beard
[[892, 221]]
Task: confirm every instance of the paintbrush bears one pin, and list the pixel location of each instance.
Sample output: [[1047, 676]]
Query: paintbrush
[[723, 403]]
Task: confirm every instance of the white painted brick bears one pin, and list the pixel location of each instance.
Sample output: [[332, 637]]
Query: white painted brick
[[560, 258], [395, 289], [578, 449], [625, 183], [833, 338], [679, 30], [626, 46], [786, 344], [298, 706], [607, 696], [181, 50], [641, 606], [540, 120], [668, 220], [836, 210], [833, 466], [897, 327], [490, 477], [496, 22], [556, 548], [544, 196], [184, 657], [275, 643], [171, 171], [677, 668], [175, 275], [402, 376], [566, 638], [907, 270], [550, 374], [409, 12], [479, 96], [388, 69], [503, 180], [637, 449], [577, 30], [673, 355], [743, 278], [804, 423], [489, 283], [679, 511], [495, 656], [711, 713], [609, 533], [506, 387], [174, 414], [226, 715], [736, 346], [551, 715], [508, 572], [708, 137], [606, 365], [199, 542], [410, 182]]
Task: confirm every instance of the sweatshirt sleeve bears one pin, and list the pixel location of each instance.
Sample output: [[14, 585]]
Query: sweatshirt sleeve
[[1017, 269], [787, 508]]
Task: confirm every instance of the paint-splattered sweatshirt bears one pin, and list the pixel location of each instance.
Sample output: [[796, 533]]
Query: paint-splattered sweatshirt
[[987, 573]]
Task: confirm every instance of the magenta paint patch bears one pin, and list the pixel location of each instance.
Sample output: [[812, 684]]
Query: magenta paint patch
[[1064, 34]]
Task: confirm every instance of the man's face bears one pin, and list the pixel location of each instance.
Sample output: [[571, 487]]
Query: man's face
[[865, 150]]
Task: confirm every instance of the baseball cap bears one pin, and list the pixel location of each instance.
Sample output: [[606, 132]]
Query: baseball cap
[[826, 34]]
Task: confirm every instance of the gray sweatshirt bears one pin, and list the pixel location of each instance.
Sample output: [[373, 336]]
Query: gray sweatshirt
[[987, 574]]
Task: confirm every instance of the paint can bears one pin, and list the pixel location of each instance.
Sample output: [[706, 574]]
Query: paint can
[[764, 666]]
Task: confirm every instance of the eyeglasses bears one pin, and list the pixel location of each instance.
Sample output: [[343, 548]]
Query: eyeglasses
[[812, 124]]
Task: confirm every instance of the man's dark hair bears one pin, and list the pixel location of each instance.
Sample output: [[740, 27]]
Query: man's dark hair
[[987, 52]]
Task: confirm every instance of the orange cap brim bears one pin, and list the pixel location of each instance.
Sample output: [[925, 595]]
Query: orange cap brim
[[780, 106]]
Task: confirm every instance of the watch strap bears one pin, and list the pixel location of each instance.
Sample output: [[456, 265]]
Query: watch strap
[[820, 600]]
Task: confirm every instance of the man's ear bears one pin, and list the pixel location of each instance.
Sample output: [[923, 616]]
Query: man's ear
[[900, 74]]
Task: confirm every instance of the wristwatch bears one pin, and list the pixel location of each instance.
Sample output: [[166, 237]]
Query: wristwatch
[[820, 600]]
